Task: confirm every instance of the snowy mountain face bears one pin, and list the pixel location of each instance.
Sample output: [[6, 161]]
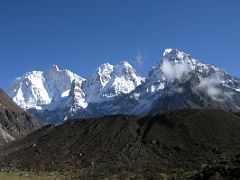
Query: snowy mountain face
[[96, 84], [110, 81], [38, 89], [56, 94]]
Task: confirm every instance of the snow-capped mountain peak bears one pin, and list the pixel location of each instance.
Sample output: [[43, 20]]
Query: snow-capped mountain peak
[[109, 81], [124, 79], [176, 64], [28, 91], [175, 56], [37, 88]]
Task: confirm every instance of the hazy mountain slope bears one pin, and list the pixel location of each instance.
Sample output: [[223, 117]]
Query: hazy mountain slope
[[178, 144], [187, 94], [14, 122]]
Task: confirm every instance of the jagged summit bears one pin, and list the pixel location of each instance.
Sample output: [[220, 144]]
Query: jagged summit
[[178, 56], [174, 54], [124, 79], [54, 68], [109, 81]]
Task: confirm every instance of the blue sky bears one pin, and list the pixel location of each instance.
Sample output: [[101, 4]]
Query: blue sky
[[82, 34]]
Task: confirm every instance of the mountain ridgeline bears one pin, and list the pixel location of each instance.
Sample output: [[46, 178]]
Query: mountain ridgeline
[[176, 81]]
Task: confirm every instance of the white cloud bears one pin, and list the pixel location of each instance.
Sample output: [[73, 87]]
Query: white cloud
[[139, 58], [174, 71], [210, 86]]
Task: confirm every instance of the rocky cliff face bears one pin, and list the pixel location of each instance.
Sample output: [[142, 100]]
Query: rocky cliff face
[[14, 122]]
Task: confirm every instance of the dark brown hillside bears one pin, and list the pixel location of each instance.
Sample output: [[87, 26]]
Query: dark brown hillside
[[181, 144], [14, 122]]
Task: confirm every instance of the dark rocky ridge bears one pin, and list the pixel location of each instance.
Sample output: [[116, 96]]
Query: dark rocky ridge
[[14, 122], [188, 143]]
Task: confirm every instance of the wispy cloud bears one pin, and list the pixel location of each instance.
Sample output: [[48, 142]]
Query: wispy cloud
[[210, 85], [139, 58], [174, 71]]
